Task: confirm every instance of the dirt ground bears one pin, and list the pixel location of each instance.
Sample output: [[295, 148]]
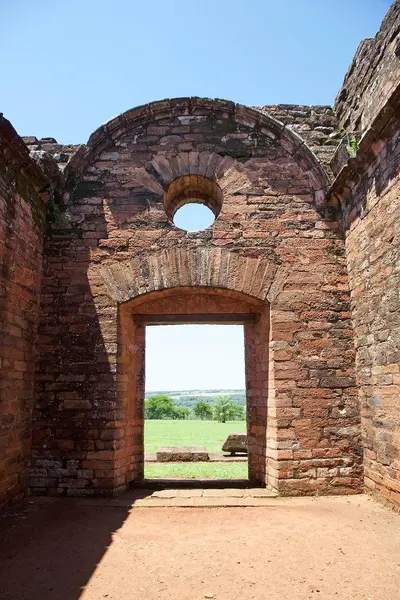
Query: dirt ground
[[345, 548]]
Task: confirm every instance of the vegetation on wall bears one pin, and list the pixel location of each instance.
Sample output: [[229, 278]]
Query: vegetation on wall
[[54, 215], [350, 140]]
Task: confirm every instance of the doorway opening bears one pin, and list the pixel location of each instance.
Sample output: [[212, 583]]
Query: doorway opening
[[195, 425], [191, 305]]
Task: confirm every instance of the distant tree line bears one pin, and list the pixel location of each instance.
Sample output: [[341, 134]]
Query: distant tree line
[[189, 398], [161, 406]]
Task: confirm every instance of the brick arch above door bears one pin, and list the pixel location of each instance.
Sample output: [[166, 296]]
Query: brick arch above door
[[185, 267]]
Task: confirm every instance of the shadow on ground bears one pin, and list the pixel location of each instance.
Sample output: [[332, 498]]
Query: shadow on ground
[[49, 549], [145, 545]]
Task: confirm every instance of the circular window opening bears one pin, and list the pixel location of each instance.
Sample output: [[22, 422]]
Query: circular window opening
[[193, 217], [193, 202]]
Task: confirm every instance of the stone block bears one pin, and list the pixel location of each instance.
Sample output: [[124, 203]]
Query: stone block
[[183, 454], [235, 442]]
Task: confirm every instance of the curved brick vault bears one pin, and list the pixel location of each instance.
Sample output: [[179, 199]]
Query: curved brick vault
[[274, 253]]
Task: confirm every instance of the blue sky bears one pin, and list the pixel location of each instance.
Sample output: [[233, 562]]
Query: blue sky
[[183, 357], [68, 67], [73, 65]]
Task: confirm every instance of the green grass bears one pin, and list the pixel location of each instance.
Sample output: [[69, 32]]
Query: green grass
[[210, 434], [199, 470]]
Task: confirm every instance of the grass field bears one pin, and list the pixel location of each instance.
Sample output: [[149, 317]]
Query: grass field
[[210, 434], [200, 470]]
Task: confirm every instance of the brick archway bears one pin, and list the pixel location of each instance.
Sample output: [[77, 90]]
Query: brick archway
[[182, 267], [191, 305], [275, 241]]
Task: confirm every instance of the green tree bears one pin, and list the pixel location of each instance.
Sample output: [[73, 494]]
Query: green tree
[[202, 410], [159, 406], [180, 412], [227, 410]]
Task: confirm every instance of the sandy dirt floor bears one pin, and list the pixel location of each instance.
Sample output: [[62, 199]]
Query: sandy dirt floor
[[344, 548]]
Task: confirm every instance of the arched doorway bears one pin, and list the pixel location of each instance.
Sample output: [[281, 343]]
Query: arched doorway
[[194, 305]]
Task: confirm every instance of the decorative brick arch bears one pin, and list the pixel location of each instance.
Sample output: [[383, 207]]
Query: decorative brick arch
[[208, 267], [212, 283], [206, 163]]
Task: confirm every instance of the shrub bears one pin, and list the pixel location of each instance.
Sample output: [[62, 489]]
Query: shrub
[[202, 410]]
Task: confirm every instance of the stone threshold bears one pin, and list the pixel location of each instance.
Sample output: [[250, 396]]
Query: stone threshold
[[186, 498]]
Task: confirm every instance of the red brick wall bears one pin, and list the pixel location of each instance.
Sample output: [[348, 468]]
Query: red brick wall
[[275, 240], [21, 231], [373, 256]]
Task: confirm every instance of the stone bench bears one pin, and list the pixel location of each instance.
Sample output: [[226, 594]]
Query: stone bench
[[235, 442], [183, 454]]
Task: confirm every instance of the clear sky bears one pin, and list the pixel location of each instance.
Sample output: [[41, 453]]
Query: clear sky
[[184, 357], [67, 67]]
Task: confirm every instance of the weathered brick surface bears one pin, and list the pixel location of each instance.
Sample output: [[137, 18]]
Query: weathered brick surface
[[21, 231], [368, 188], [316, 125], [372, 76], [283, 249], [275, 240], [370, 192]]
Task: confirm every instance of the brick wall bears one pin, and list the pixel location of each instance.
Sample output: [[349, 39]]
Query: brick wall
[[372, 76], [369, 188], [316, 125], [21, 231], [373, 247], [275, 239]]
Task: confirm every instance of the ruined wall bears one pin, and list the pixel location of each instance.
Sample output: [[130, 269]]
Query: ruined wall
[[21, 232], [316, 125], [372, 76], [369, 188], [275, 239]]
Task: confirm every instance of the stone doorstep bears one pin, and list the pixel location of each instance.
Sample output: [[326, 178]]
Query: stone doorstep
[[207, 497], [215, 493], [205, 502], [187, 498]]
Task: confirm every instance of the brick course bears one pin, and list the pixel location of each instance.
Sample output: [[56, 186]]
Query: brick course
[[372, 77]]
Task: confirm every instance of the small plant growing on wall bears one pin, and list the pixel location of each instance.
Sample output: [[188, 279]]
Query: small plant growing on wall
[[54, 215], [350, 140]]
